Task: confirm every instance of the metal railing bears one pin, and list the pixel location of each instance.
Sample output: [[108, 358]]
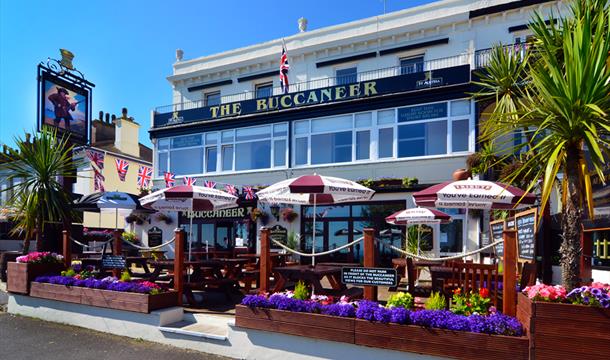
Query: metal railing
[[601, 249], [482, 57], [428, 65]]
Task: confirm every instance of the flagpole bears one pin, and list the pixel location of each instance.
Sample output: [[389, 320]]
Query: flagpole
[[313, 241]]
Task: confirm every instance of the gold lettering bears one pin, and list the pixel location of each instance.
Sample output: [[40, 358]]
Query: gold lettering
[[240, 212], [237, 108], [283, 101], [214, 110], [272, 104], [296, 98], [340, 92], [369, 88], [261, 104], [313, 97], [326, 92], [224, 110], [354, 90]]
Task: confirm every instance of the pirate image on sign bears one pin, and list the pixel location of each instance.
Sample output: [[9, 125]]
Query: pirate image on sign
[[62, 106]]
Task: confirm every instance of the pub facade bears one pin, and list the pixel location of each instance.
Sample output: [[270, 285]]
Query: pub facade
[[384, 100]]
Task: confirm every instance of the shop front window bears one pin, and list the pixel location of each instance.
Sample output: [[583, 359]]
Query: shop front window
[[451, 236]]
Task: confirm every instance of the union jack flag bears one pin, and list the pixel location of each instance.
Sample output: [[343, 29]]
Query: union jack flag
[[231, 189], [284, 67], [121, 168], [210, 184], [98, 181], [96, 158], [189, 181], [249, 193], [170, 179], [144, 176]]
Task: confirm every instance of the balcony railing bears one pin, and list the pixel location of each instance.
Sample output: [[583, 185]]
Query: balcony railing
[[427, 65], [482, 57]]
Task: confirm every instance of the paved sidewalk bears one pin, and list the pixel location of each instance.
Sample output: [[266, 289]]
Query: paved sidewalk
[[24, 338]]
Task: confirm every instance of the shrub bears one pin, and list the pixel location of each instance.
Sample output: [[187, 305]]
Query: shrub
[[125, 277], [300, 291], [436, 302], [400, 299]]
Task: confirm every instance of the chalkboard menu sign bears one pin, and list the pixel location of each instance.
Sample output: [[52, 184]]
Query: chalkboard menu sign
[[369, 276], [526, 234], [155, 236], [496, 231], [113, 262]]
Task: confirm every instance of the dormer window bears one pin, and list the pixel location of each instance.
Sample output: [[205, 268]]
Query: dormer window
[[264, 90], [411, 65], [347, 75], [212, 98]]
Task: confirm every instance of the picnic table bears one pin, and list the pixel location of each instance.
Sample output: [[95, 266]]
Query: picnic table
[[210, 253], [311, 275], [129, 261]]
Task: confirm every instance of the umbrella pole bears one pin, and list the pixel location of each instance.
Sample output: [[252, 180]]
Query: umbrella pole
[[465, 244], [313, 241], [190, 244], [418, 237]]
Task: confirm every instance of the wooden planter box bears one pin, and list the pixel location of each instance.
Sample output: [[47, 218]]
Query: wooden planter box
[[440, 342], [409, 338], [316, 326], [20, 275], [127, 301], [564, 331]]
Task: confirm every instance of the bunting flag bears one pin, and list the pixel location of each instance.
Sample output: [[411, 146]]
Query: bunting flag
[[210, 184], [98, 181], [249, 193], [231, 189], [144, 177], [121, 168], [189, 181], [96, 157], [170, 179]]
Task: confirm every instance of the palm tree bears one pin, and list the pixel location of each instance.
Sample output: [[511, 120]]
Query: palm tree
[[37, 194], [555, 92]]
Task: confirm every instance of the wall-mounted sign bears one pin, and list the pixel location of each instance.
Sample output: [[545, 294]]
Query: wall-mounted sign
[[155, 236], [364, 89], [422, 112], [369, 276], [496, 230], [233, 213], [278, 233]]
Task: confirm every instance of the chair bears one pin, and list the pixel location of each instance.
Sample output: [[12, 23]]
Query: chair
[[470, 276]]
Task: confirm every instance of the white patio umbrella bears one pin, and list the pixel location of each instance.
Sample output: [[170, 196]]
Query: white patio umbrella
[[314, 190], [417, 216], [189, 198], [474, 194]]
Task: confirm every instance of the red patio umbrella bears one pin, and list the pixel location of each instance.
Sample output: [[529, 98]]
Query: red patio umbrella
[[417, 216]]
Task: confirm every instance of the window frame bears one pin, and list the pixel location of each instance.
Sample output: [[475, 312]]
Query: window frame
[[207, 94], [266, 84]]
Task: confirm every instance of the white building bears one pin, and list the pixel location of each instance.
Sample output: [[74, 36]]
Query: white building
[[382, 97]]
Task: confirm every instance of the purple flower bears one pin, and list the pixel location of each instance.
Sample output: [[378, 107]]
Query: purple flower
[[256, 301], [400, 315], [342, 310], [366, 310], [383, 314]]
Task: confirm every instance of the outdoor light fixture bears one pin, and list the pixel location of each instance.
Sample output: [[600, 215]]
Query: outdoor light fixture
[[275, 211]]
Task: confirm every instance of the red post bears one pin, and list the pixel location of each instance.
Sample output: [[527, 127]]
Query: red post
[[265, 260], [179, 264], [67, 248], [370, 292], [509, 304], [117, 248], [586, 244]]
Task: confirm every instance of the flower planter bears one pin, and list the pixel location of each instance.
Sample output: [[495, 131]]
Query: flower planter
[[564, 330], [20, 275], [440, 342], [128, 301], [408, 338], [316, 326]]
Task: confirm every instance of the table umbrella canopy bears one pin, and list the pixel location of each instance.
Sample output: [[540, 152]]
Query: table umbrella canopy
[[474, 194], [416, 216], [109, 200], [189, 198], [307, 189]]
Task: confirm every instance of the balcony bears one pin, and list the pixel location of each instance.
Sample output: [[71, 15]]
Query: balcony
[[439, 72]]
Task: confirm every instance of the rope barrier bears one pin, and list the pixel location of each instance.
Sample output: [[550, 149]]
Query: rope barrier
[[418, 257], [146, 248], [90, 246], [318, 253]]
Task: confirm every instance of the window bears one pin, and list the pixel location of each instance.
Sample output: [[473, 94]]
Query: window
[[386, 143], [347, 76], [212, 98], [459, 135], [264, 90], [363, 145], [162, 156], [422, 139], [411, 65], [227, 157], [211, 154], [331, 148]]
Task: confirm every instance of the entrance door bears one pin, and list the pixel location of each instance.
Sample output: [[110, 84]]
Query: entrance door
[[224, 235], [338, 233]]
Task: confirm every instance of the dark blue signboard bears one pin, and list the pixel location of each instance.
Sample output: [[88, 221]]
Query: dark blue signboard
[[422, 112]]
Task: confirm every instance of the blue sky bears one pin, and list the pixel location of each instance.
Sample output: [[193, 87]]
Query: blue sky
[[127, 47]]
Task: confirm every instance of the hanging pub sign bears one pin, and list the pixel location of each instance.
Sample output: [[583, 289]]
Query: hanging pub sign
[[155, 236], [278, 233], [364, 89], [64, 98]]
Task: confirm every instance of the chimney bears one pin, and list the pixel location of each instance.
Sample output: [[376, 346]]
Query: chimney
[[126, 134], [302, 24], [107, 118], [179, 54]]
